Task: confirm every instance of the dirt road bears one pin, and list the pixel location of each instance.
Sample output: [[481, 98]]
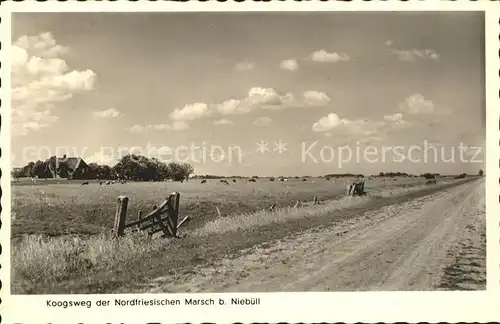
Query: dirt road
[[433, 242]]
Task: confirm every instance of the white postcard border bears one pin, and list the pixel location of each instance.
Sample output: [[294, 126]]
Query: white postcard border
[[366, 307]]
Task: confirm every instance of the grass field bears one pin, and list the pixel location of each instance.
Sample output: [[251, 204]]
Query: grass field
[[57, 209], [61, 240]]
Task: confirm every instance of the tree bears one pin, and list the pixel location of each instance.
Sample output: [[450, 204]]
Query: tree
[[481, 173], [40, 169], [130, 167], [28, 170], [175, 170], [16, 173], [187, 170]]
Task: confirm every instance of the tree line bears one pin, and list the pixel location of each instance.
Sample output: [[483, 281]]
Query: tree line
[[130, 167]]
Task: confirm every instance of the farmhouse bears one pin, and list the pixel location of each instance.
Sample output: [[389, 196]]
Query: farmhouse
[[68, 167]]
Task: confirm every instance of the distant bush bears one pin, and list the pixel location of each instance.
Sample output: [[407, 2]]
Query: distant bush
[[430, 175], [394, 174], [342, 175]]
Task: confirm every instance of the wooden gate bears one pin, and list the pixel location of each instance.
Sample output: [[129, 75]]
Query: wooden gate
[[162, 219]]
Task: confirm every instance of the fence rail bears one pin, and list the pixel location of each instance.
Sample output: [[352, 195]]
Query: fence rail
[[162, 219], [165, 218]]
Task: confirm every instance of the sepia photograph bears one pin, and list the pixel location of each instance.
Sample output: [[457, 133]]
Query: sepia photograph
[[168, 162], [207, 152]]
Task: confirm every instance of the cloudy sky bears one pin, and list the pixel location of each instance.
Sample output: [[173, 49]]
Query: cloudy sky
[[93, 83]]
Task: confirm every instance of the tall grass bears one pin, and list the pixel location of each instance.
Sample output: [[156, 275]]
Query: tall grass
[[36, 258], [244, 221], [40, 259], [248, 220]]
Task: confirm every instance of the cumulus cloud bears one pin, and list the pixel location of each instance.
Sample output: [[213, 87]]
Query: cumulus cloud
[[369, 130], [108, 113], [315, 98], [290, 65], [222, 121], [359, 127], [258, 98], [414, 54], [191, 112], [244, 66], [136, 129], [328, 122], [394, 117], [233, 107], [263, 121], [396, 120], [411, 55], [417, 104], [175, 126], [323, 56], [42, 45], [41, 80], [268, 98]]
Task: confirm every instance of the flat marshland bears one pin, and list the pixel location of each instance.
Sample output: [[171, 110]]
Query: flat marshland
[[61, 240]]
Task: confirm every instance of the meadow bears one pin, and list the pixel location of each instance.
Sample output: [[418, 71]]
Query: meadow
[[55, 209], [61, 240]]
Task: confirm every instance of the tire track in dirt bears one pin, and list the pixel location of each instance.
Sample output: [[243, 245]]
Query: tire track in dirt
[[467, 270], [397, 247]]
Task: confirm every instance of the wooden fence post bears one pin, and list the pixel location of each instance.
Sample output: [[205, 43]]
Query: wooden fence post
[[218, 211], [174, 210], [121, 215]]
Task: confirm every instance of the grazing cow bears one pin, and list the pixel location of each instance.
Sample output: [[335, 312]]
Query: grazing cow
[[224, 181], [85, 183], [252, 180], [100, 183], [234, 180], [113, 181], [271, 179], [304, 180], [108, 183], [203, 181]]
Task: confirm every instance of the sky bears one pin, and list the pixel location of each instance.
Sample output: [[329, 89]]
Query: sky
[[253, 93]]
